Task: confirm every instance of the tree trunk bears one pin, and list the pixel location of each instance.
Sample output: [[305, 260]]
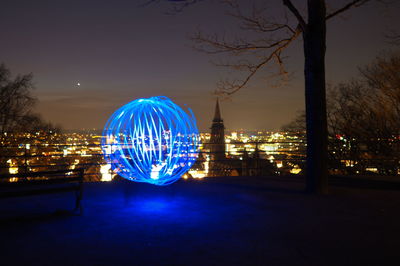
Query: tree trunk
[[314, 72]]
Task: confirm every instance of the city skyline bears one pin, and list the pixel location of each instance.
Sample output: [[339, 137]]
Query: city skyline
[[120, 53]]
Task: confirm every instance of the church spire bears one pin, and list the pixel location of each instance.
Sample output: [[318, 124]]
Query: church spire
[[217, 114], [217, 143]]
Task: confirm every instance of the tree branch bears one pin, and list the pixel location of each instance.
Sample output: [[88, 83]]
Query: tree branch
[[393, 38], [229, 88], [177, 5], [216, 45], [255, 21], [354, 3], [262, 50], [296, 13]]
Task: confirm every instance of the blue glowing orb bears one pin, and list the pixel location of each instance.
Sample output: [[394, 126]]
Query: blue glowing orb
[[151, 140]]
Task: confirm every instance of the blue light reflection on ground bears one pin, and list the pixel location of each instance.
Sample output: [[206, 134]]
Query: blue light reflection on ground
[[155, 205], [149, 201], [213, 222]]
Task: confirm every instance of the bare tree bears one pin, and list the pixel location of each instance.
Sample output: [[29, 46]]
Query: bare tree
[[275, 36], [367, 112], [297, 125], [393, 37], [363, 118], [16, 105], [16, 101], [17, 117]]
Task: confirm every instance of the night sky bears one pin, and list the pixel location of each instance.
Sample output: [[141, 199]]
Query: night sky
[[119, 51]]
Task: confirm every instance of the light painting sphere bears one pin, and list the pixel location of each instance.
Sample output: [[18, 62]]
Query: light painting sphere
[[151, 140]]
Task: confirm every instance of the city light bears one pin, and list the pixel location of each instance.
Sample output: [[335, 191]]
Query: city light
[[106, 173]]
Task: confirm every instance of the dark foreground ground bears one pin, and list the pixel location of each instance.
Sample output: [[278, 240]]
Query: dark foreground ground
[[226, 221]]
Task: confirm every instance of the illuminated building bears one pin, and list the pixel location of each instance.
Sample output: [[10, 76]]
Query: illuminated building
[[217, 143], [232, 161]]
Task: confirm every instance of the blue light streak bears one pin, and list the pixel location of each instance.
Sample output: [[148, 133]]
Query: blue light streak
[[151, 140]]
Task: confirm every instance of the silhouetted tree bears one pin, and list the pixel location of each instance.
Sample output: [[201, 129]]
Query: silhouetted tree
[[17, 118], [393, 38], [297, 125], [16, 101], [275, 37], [367, 113], [363, 118], [16, 105]]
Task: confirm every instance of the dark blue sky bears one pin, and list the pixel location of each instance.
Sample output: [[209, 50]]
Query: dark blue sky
[[119, 51]]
